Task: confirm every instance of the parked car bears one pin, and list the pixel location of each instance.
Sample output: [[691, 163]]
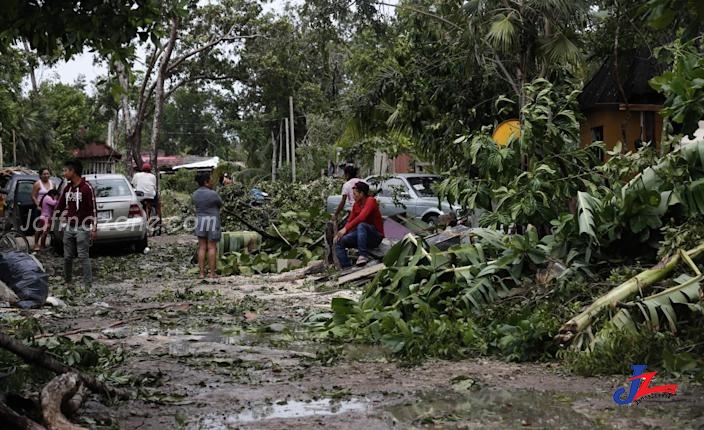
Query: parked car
[[121, 219], [16, 205], [411, 193]]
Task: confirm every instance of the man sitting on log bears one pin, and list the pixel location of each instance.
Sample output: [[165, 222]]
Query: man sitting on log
[[364, 229]]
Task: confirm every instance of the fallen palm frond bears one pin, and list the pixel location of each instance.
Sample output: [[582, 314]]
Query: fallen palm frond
[[654, 308], [636, 284]]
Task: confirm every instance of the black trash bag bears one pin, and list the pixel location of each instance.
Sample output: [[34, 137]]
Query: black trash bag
[[25, 276]]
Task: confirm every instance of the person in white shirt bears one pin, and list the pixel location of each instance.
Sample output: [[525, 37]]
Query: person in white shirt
[[145, 181], [351, 179]]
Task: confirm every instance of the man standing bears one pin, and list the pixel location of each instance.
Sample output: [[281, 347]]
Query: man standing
[[351, 178], [145, 181], [364, 228], [78, 199]]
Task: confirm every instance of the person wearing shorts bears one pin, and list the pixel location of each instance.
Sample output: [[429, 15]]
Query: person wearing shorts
[[207, 226]]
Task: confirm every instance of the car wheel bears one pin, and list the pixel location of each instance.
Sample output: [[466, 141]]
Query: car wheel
[[140, 245], [432, 220]]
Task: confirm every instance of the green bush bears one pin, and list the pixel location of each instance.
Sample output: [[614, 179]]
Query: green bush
[[183, 181]]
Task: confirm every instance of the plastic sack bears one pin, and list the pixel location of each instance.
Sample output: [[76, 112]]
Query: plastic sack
[[26, 277]]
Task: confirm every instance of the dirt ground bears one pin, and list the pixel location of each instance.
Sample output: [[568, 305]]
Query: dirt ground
[[233, 353]]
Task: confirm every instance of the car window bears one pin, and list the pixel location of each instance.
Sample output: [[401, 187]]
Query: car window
[[424, 184], [117, 187], [23, 191], [394, 187]]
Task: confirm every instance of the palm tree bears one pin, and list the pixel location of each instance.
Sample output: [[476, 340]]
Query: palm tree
[[527, 39]]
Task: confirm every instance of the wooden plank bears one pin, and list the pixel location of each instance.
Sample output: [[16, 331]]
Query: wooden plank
[[360, 273]]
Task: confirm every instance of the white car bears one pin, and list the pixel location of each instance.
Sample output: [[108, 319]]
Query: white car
[[121, 218], [410, 193]]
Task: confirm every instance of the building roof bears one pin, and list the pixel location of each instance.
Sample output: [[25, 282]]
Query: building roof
[[635, 70], [96, 150], [210, 163], [164, 161]]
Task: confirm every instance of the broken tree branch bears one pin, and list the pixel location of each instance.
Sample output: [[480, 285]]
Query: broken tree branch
[[38, 357], [632, 286]]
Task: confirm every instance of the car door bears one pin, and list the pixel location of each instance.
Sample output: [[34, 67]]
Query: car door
[[23, 213], [394, 196]]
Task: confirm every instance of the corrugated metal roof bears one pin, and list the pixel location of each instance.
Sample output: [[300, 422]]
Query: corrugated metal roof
[[96, 150]]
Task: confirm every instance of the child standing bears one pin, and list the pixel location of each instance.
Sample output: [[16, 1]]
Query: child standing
[[48, 204]]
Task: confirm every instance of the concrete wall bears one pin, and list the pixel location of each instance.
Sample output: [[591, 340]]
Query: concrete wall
[[621, 126]]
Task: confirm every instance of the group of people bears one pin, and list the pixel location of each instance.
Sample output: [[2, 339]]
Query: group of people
[[78, 200], [363, 229]]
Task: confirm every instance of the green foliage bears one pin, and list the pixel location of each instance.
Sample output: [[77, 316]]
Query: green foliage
[[292, 221], [533, 179], [629, 213], [661, 350], [188, 294], [86, 354], [684, 236], [664, 309], [683, 85], [426, 301], [182, 181], [61, 28]]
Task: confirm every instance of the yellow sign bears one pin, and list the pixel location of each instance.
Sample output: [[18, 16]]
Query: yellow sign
[[506, 131]]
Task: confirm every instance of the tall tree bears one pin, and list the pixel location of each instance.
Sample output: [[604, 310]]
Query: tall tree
[[527, 39], [201, 44]]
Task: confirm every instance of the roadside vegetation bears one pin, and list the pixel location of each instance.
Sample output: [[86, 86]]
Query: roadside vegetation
[[591, 263]]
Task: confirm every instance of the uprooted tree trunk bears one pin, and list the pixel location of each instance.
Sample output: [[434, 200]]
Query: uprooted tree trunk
[[632, 286], [58, 395], [38, 357]]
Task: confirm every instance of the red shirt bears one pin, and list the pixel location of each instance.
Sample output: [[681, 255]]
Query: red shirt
[[367, 212], [79, 202]]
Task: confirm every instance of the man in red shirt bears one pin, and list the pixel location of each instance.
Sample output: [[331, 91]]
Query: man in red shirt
[[78, 199], [364, 228]]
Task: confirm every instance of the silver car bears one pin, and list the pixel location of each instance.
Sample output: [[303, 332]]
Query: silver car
[[411, 193], [121, 218]]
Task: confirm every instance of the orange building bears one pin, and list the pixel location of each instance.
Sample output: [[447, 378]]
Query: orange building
[[620, 106]]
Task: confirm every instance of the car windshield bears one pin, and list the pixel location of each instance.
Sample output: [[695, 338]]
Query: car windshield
[[424, 184], [110, 187]]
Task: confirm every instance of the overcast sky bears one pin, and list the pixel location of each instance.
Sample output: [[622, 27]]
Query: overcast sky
[[84, 64]]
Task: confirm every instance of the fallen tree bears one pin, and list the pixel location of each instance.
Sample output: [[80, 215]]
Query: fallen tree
[[636, 284], [38, 357]]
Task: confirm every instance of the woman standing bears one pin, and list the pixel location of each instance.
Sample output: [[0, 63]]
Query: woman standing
[[207, 229], [39, 190]]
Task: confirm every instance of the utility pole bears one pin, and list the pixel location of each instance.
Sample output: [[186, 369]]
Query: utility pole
[[1, 159], [273, 156], [293, 140], [288, 142], [14, 149], [281, 144]]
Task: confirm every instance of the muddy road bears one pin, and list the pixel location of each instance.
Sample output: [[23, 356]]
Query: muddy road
[[233, 353]]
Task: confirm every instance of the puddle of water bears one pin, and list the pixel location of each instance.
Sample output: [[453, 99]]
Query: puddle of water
[[490, 408], [290, 409], [474, 406]]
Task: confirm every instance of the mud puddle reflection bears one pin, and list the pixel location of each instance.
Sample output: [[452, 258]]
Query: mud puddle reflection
[[488, 408], [282, 410]]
